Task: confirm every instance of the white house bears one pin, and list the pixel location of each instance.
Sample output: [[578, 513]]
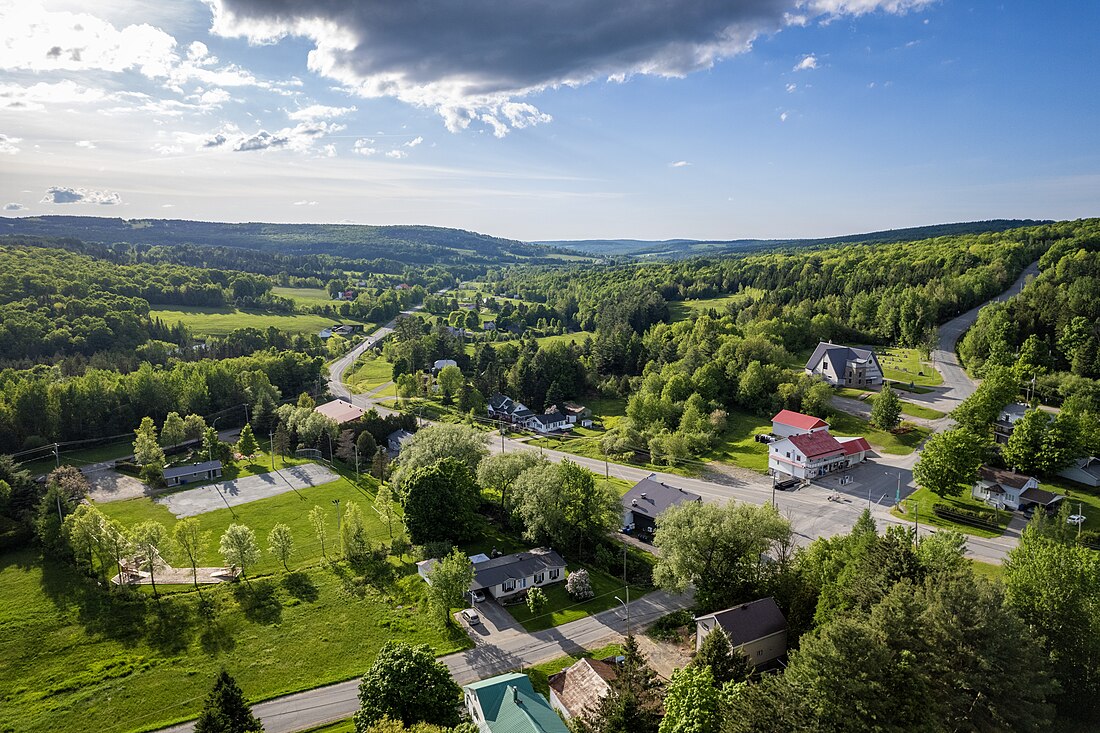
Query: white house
[[441, 364], [1084, 471], [807, 456], [509, 575], [855, 449], [845, 366], [1010, 490], [757, 629], [550, 422], [788, 422], [1006, 422]]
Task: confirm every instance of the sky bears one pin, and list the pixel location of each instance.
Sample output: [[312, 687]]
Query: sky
[[553, 119]]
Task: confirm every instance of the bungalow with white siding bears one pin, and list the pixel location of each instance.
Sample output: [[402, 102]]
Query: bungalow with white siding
[[1006, 489], [550, 422], [205, 471]]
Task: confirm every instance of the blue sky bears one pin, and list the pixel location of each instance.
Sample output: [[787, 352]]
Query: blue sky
[[553, 120]]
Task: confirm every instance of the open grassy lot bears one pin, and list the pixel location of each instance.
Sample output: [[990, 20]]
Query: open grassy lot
[[80, 456], [738, 447], [919, 506], [304, 296], [679, 310], [78, 659], [369, 371], [905, 366], [291, 508], [987, 570], [847, 425], [540, 673], [911, 409], [566, 338], [220, 321], [1082, 499]]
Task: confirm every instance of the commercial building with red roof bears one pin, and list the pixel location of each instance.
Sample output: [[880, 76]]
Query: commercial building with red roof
[[789, 422], [810, 455]]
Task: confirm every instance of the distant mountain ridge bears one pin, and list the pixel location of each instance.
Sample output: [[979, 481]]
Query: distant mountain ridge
[[674, 248], [409, 244]]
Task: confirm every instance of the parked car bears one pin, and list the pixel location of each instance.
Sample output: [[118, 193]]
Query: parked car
[[478, 596], [471, 617], [1076, 519]]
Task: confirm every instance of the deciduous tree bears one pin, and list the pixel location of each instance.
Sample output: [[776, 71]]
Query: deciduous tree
[[886, 411], [450, 582], [949, 463], [440, 502], [434, 443], [238, 547], [150, 539], [174, 430], [691, 702], [320, 526], [406, 683], [280, 543], [190, 540]]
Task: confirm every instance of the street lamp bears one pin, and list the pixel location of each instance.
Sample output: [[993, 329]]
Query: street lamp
[[626, 607]]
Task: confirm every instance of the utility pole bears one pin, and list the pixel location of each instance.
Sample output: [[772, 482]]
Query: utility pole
[[1081, 511], [56, 456], [62, 519], [271, 447], [773, 490], [356, 447], [624, 567]]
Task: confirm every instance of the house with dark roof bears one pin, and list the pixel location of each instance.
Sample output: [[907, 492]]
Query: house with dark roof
[[1006, 489], [757, 629], [502, 407], [509, 575], [647, 499], [845, 366], [205, 471], [1084, 471], [789, 422], [576, 691], [508, 703], [550, 422], [396, 440], [1006, 422]]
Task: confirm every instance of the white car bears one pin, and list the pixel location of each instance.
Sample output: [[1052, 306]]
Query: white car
[[478, 596], [1076, 519], [471, 617]]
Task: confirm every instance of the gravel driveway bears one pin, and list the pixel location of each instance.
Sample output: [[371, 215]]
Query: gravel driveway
[[243, 490]]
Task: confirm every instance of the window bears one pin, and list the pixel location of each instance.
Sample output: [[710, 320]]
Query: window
[[554, 573], [539, 577], [508, 586], [788, 454]]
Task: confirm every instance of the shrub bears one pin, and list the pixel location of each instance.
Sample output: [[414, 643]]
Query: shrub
[[667, 627], [432, 549]]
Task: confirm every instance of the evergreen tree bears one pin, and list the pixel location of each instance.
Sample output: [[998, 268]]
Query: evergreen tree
[[280, 442], [633, 705], [246, 444], [225, 710], [346, 447], [726, 663], [367, 445]]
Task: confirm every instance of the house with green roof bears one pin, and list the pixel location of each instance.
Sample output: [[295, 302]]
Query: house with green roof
[[508, 704]]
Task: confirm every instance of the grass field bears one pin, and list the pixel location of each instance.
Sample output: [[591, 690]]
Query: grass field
[[566, 338], [304, 296], [291, 508], [911, 409], [679, 310], [561, 609], [220, 321], [987, 570], [77, 659], [905, 366], [80, 456], [368, 373], [738, 447], [1082, 499], [540, 673], [847, 425]]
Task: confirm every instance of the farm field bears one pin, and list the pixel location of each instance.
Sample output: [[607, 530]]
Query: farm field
[[366, 374], [220, 321], [682, 309], [304, 296], [575, 338]]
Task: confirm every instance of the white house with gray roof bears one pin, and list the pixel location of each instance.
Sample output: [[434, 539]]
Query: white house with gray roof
[[845, 366]]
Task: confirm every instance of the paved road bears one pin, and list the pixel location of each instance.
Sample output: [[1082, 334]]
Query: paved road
[[508, 651], [957, 384]]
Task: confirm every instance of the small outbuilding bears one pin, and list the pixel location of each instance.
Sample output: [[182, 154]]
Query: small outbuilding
[[205, 471]]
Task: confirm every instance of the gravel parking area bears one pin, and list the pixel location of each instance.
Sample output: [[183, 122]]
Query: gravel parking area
[[250, 488]]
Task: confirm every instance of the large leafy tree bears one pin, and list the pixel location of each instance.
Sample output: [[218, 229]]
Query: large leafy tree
[[280, 543], [450, 380], [149, 540], [440, 502], [719, 549], [1025, 448], [500, 471], [238, 547], [450, 580], [190, 540], [174, 430], [886, 411], [436, 442], [691, 702], [406, 683], [148, 453], [226, 710], [949, 463], [562, 504]]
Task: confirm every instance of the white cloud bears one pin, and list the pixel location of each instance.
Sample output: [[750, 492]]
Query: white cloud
[[167, 206], [8, 145], [783, 116], [791, 88], [33, 98], [318, 112], [679, 164], [13, 206], [66, 195], [397, 154], [89, 144], [167, 149], [305, 203], [414, 142], [809, 61], [363, 146]]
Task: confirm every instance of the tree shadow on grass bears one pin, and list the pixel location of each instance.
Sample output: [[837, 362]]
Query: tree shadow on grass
[[170, 626], [300, 586], [259, 601]]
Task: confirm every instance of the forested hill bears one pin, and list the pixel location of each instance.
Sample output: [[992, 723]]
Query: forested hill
[[404, 244], [672, 248]]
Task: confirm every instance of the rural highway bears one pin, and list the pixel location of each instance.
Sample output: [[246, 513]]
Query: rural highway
[[811, 512]]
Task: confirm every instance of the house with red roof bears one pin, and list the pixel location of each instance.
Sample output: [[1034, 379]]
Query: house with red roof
[[811, 455], [788, 422]]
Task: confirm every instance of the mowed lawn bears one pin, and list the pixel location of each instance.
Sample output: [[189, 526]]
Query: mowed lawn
[[561, 608], [291, 508], [77, 659], [304, 296], [566, 338], [540, 673], [846, 425], [738, 445], [79, 457], [220, 321], [918, 507]]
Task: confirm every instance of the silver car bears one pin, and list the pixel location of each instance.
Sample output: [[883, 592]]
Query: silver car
[[471, 617]]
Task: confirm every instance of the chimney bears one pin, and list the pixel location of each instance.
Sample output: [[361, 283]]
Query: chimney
[[643, 494]]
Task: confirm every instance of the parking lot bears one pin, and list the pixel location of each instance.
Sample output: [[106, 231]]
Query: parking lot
[[243, 490], [869, 481]]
